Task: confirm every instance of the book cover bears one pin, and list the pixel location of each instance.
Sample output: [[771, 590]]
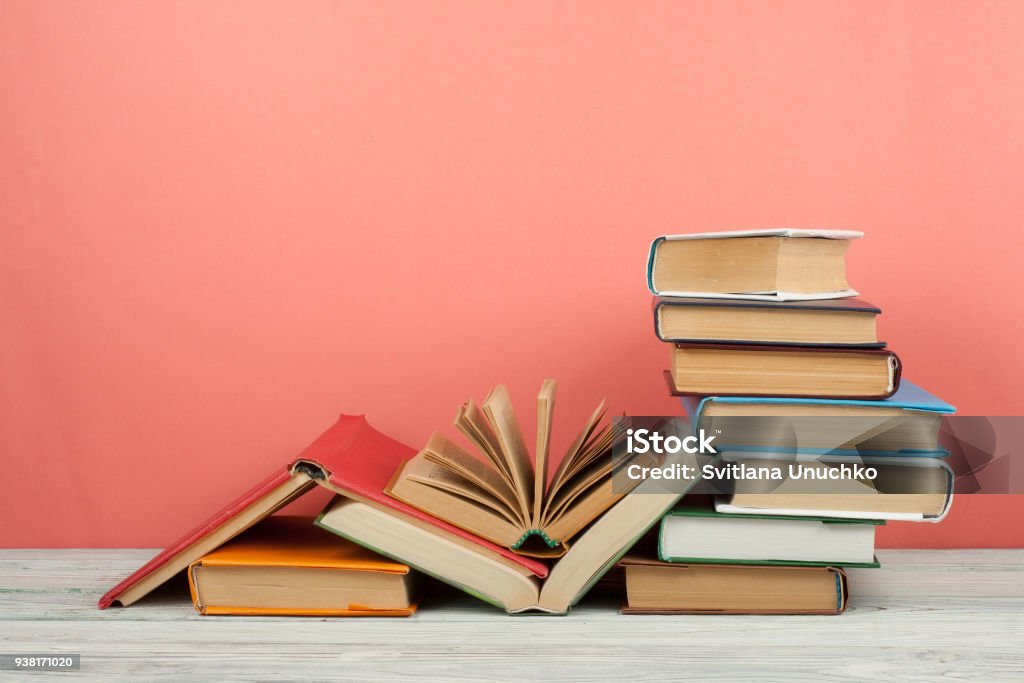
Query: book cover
[[760, 295], [656, 587], [294, 543], [710, 512], [350, 458], [895, 368], [659, 303], [909, 397]]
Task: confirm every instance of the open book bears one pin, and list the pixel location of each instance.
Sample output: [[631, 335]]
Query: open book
[[493, 578], [354, 460], [504, 495], [350, 458]]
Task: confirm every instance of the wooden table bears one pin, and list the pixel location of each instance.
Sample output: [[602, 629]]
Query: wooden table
[[950, 614]]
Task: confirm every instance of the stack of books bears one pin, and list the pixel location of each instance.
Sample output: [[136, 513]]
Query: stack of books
[[770, 353], [821, 438]]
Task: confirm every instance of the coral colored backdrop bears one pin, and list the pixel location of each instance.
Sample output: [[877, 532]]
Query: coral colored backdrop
[[223, 223]]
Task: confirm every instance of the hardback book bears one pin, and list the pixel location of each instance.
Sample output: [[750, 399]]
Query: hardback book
[[770, 265], [503, 584], [694, 533], [503, 494], [804, 371], [655, 587], [828, 322], [905, 489], [906, 423], [287, 566], [350, 458]]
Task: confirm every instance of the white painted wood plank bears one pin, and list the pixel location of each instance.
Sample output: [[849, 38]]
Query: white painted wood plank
[[957, 615]]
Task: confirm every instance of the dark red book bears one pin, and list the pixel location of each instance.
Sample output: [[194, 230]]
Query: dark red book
[[351, 458]]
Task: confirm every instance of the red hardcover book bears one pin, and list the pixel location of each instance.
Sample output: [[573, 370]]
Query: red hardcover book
[[351, 458]]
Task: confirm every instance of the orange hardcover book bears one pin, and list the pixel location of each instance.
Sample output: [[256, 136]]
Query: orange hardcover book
[[287, 566]]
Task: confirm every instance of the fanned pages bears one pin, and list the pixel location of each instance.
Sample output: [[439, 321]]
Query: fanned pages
[[545, 415], [499, 494], [502, 419]]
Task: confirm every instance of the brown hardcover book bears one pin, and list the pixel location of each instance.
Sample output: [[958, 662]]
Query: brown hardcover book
[[654, 587], [805, 371], [829, 322]]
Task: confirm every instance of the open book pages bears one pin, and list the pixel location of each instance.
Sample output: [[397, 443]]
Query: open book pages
[[485, 573], [503, 494]]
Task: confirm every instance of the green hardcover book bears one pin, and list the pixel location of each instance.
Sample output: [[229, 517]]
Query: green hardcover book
[[693, 533]]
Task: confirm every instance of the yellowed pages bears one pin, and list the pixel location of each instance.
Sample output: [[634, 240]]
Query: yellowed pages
[[545, 416], [502, 418]]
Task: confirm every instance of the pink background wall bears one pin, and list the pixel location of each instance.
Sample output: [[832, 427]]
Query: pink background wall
[[223, 223]]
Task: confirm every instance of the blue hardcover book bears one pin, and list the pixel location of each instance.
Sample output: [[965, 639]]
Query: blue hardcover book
[[906, 423]]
